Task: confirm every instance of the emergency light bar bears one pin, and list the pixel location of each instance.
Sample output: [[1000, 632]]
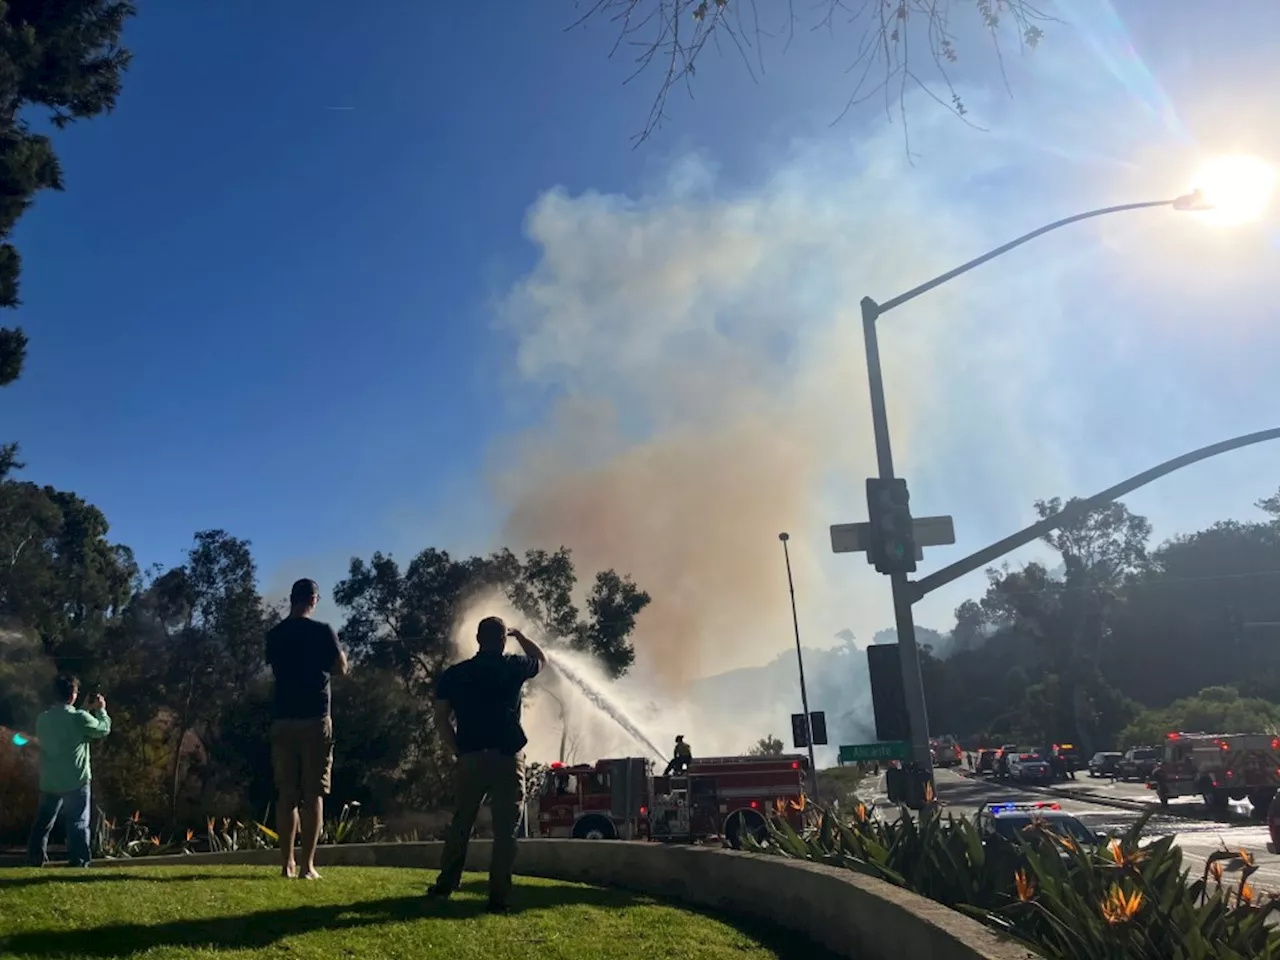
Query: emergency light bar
[[1010, 807]]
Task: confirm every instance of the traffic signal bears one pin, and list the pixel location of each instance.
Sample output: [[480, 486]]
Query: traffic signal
[[818, 724], [799, 731], [893, 543], [888, 695]]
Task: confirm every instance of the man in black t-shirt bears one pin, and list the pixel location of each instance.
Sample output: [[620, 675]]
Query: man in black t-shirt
[[302, 653], [482, 697]]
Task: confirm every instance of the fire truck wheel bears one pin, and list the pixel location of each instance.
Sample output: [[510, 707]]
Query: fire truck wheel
[[594, 828], [1261, 800], [744, 821]]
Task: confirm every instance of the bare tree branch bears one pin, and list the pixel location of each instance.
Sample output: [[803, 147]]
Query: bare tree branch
[[669, 36]]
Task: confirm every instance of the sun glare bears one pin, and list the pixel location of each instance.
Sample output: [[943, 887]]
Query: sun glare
[[1237, 188]]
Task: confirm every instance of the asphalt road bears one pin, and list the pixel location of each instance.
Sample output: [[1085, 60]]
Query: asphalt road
[[1089, 799]]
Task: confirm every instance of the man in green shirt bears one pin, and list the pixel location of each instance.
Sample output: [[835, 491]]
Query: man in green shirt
[[64, 734]]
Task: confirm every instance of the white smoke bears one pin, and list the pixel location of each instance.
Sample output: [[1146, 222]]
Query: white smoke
[[560, 720]]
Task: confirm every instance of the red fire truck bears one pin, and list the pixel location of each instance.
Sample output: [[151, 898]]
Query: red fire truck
[[1219, 767], [716, 797]]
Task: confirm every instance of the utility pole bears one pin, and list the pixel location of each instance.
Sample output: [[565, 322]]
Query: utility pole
[[804, 695]]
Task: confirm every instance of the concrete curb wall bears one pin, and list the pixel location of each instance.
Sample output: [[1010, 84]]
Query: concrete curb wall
[[854, 915]]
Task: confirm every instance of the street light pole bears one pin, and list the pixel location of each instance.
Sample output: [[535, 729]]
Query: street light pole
[[804, 694], [903, 594]]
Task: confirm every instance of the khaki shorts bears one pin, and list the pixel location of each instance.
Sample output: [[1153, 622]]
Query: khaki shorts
[[302, 758]]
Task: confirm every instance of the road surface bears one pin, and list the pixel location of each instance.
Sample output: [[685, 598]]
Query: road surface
[[1089, 799]]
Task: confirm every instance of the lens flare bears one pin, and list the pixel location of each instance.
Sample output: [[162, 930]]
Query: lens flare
[[1236, 188]]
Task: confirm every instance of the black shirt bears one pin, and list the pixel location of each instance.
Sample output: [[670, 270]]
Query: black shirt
[[301, 652], [484, 694]]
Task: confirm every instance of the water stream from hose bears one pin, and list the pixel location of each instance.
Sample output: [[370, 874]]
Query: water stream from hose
[[602, 702]]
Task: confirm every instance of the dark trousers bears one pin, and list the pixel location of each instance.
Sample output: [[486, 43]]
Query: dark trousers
[[75, 809], [499, 777]]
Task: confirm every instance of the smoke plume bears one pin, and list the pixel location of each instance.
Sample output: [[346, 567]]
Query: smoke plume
[[706, 360]]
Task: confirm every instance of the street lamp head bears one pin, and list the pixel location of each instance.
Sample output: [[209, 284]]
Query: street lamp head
[[784, 537], [1232, 190], [1194, 200]]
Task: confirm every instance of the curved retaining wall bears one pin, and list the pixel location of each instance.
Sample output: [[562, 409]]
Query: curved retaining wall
[[854, 915]]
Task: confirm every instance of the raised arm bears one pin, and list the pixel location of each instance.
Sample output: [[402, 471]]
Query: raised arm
[[531, 649], [94, 722]]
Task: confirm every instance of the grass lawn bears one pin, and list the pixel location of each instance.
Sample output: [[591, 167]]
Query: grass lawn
[[173, 913]]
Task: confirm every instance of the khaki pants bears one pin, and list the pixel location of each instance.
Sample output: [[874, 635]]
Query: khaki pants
[[302, 759], [500, 778]]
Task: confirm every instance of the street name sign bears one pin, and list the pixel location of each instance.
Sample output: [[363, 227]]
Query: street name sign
[[928, 532], [866, 752]]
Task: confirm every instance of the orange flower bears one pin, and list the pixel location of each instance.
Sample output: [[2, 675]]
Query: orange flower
[[799, 804], [189, 836], [136, 815], [780, 805], [1246, 857], [1026, 888], [155, 841], [1117, 907], [1066, 842], [1246, 894], [1215, 868], [1124, 859], [860, 811]]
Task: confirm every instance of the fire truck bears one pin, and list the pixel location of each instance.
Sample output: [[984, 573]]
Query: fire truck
[[1219, 767], [716, 797]]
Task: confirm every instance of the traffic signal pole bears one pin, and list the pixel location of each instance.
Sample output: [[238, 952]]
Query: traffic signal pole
[[905, 593], [903, 618]]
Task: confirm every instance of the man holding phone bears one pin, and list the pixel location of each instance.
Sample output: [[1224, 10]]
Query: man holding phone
[[64, 734], [481, 696]]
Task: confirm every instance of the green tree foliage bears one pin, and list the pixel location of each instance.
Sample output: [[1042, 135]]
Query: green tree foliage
[[179, 653], [1119, 630], [767, 746], [1211, 710], [64, 58]]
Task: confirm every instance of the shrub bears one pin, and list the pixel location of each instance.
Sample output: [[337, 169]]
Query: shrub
[[131, 837], [1119, 900]]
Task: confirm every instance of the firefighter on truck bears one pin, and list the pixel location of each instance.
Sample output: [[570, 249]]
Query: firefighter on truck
[[680, 758]]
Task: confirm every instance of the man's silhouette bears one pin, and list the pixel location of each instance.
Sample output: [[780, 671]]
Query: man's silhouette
[[302, 653], [681, 759], [477, 715]]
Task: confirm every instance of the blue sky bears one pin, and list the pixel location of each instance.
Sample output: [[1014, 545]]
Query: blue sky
[[461, 310]]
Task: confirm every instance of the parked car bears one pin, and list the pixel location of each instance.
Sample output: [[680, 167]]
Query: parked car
[[1105, 763], [1029, 767], [987, 760], [1138, 763]]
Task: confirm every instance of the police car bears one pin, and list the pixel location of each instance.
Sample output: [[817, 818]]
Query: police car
[[1008, 820]]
